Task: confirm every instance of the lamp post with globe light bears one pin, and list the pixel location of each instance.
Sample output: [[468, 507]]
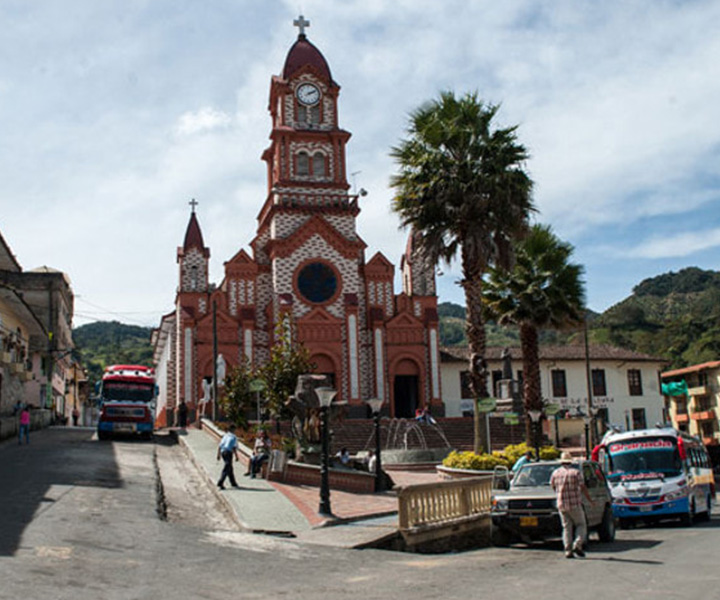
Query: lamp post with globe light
[[375, 405], [325, 396]]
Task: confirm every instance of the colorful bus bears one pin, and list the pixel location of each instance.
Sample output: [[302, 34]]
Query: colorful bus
[[656, 474], [127, 401]]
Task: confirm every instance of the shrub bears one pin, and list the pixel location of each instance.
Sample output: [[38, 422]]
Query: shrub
[[473, 462], [549, 453]]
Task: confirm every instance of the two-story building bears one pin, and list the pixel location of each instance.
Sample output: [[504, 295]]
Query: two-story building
[[625, 386], [696, 410], [36, 309]]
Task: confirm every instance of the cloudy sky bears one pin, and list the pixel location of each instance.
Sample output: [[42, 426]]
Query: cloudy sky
[[114, 114]]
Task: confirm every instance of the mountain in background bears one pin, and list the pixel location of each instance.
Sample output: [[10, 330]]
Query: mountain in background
[[674, 316], [111, 343]]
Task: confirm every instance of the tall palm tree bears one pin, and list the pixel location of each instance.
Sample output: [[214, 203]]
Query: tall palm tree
[[542, 290], [462, 187]]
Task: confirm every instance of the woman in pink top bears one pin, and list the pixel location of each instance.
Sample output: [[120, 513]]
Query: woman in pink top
[[24, 425]]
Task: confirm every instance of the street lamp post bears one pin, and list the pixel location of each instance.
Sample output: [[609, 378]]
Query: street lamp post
[[375, 406], [325, 396], [587, 420], [535, 418]]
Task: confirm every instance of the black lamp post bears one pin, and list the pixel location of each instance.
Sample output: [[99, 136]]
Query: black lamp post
[[375, 406], [325, 396], [587, 419]]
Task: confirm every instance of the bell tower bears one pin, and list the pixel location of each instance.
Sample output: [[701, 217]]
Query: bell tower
[[193, 258]]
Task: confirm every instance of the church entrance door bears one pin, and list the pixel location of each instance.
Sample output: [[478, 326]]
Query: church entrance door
[[405, 393]]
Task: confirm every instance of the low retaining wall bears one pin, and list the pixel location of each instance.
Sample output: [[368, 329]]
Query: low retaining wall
[[287, 471], [39, 419], [445, 516]]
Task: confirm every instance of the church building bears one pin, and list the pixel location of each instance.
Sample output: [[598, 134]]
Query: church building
[[306, 259]]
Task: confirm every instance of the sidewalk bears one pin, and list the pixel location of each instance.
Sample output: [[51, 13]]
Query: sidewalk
[[277, 508]]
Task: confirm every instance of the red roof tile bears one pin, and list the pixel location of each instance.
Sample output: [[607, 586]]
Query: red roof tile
[[304, 53]]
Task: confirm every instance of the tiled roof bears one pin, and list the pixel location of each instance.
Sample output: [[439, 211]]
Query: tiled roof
[[692, 369], [569, 352]]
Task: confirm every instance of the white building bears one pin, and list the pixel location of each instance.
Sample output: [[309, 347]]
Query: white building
[[625, 385]]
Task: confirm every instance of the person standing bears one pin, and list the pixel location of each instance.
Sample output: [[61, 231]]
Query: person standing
[[226, 449], [524, 459], [182, 414], [75, 416], [24, 425], [568, 484]]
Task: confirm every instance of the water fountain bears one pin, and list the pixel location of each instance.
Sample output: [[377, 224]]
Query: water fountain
[[398, 436]]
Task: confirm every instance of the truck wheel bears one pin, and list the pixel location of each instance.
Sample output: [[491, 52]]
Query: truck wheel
[[606, 531], [500, 537], [687, 519]]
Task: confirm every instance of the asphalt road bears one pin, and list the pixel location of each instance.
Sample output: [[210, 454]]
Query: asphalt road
[[79, 520]]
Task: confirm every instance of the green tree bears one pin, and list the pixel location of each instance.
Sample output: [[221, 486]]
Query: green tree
[[462, 186], [237, 398], [542, 290], [288, 359]]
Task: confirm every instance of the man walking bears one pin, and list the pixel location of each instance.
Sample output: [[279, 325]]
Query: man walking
[[226, 449], [568, 485]]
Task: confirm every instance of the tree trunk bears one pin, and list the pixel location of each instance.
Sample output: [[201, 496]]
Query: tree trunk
[[475, 330], [532, 393]]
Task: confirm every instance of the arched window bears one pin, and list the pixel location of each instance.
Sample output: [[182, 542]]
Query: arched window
[[319, 164], [302, 113], [315, 114], [303, 163], [194, 277]]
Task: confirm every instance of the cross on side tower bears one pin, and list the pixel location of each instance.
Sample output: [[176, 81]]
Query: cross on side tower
[[301, 24], [193, 203]]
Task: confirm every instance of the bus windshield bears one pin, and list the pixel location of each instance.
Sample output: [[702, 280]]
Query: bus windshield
[[644, 458], [133, 392]]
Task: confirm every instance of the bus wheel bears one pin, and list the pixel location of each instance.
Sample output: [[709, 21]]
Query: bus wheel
[[606, 532], [686, 520], [705, 515]]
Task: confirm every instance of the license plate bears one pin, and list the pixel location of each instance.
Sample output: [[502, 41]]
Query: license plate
[[528, 521], [124, 427], [645, 508]]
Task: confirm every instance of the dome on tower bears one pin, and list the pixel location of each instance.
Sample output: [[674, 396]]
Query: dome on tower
[[304, 53]]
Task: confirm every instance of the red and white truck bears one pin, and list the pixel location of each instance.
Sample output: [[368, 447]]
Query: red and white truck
[[127, 401]]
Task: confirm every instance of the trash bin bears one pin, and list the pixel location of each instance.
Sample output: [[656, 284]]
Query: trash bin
[[278, 461]]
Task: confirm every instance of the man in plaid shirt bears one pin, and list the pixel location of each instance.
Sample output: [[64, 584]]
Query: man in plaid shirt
[[567, 481]]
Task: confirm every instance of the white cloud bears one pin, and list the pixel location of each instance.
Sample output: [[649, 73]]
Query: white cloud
[[681, 244], [202, 120]]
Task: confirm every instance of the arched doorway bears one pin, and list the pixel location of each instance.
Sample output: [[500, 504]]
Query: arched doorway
[[324, 365], [406, 389]]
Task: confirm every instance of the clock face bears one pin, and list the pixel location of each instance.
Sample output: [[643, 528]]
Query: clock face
[[308, 94]]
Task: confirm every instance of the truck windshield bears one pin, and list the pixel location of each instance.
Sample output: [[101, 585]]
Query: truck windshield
[[644, 458], [533, 475], [133, 392]]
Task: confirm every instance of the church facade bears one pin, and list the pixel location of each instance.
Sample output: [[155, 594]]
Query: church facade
[[307, 260]]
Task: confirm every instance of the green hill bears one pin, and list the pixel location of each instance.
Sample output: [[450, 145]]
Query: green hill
[[109, 342], [674, 315]]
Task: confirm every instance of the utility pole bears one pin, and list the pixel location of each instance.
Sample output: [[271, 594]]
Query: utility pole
[[215, 357]]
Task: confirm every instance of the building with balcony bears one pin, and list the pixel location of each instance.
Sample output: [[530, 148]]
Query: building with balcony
[[36, 309], [696, 410]]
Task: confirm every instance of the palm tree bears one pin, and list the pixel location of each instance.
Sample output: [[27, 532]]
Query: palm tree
[[542, 290], [462, 187]]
